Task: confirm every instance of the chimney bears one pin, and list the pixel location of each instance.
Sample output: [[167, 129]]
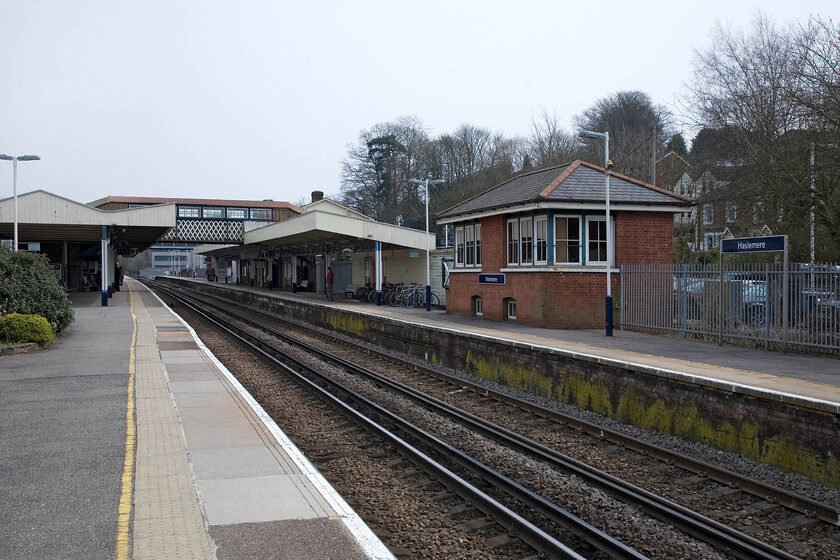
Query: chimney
[[317, 195]]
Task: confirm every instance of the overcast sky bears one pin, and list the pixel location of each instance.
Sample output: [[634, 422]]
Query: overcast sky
[[259, 99]]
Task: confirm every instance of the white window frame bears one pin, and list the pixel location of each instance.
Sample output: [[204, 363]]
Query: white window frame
[[526, 240], [233, 213], [712, 240], [189, 211], [459, 247], [708, 214], [478, 245], [469, 246], [579, 240], [512, 245], [541, 240], [731, 212], [510, 309], [610, 247], [208, 212]]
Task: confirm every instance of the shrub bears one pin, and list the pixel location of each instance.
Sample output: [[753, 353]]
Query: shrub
[[28, 286], [16, 328]]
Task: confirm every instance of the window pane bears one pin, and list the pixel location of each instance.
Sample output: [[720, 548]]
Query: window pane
[[236, 213], [189, 212], [597, 241], [260, 213], [526, 234], [541, 242], [513, 242], [567, 240], [459, 246], [214, 212], [469, 259], [478, 244]]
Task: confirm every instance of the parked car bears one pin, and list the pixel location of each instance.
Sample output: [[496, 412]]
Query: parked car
[[747, 298]]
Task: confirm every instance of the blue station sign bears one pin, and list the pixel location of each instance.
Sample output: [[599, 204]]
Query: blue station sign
[[498, 279], [754, 244]]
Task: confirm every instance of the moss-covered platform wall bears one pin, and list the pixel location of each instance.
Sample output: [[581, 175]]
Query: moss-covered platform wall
[[795, 434]]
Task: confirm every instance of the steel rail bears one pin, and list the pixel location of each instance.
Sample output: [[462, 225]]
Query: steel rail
[[791, 500], [718, 535], [521, 527]]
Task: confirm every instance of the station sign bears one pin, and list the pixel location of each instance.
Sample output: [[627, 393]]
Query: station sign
[[754, 244], [498, 279]]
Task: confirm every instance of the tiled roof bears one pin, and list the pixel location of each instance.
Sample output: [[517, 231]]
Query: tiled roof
[[576, 182]]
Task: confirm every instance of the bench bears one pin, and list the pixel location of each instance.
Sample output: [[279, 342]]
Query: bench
[[350, 290]]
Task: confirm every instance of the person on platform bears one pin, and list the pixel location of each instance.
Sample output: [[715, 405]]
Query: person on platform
[[329, 283]]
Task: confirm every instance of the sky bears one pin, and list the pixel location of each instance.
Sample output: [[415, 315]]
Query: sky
[[260, 99]]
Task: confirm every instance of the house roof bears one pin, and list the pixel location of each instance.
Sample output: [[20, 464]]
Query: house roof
[[575, 184]]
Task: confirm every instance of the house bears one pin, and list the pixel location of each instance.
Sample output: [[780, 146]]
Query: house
[[724, 209], [534, 248]]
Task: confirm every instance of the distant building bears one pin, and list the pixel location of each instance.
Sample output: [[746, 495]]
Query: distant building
[[199, 221], [723, 211]]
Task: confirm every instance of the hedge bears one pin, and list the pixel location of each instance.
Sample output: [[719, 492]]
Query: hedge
[[29, 287], [16, 328]]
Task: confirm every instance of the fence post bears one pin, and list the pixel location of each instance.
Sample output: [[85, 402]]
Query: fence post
[[768, 302], [785, 300], [720, 300]]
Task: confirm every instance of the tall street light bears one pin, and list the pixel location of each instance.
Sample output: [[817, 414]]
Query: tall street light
[[607, 167], [14, 160], [426, 183]]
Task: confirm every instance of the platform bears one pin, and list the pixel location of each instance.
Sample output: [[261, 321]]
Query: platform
[[127, 438], [793, 374]]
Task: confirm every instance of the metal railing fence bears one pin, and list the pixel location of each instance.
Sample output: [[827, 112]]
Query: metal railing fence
[[746, 302]]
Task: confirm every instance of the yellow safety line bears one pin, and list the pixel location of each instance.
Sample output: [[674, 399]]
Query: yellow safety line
[[124, 520]]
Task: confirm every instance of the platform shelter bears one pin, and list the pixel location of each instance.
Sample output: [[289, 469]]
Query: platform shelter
[[83, 244], [294, 254]]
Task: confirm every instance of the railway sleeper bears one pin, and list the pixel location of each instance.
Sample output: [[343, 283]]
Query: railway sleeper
[[478, 524], [796, 522]]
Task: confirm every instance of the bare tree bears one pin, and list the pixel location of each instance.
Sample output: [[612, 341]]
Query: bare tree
[[549, 144], [377, 169], [772, 95], [632, 119]]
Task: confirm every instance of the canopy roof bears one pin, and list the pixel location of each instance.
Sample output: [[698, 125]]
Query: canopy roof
[[43, 216]]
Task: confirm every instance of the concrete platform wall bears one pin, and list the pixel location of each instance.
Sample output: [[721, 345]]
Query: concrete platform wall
[[766, 427]]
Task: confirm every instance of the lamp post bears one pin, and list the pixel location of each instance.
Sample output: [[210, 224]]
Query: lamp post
[[426, 184], [607, 167], [15, 160]]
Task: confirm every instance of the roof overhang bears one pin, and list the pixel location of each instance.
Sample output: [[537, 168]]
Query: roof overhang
[[46, 217], [326, 227], [210, 250], [559, 206]]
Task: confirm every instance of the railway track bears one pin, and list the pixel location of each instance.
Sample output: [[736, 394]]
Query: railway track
[[540, 458]]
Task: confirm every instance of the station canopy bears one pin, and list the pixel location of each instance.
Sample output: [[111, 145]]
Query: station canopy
[[324, 224], [46, 217]]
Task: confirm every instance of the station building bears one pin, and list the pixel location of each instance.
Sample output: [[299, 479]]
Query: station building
[[198, 221], [534, 248], [294, 254]]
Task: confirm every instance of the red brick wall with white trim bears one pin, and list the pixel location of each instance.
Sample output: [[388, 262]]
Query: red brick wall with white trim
[[559, 299]]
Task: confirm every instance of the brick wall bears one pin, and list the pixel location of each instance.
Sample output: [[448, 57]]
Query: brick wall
[[566, 300]]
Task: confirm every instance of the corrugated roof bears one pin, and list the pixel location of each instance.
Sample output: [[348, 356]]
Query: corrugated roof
[[196, 201], [576, 182]]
